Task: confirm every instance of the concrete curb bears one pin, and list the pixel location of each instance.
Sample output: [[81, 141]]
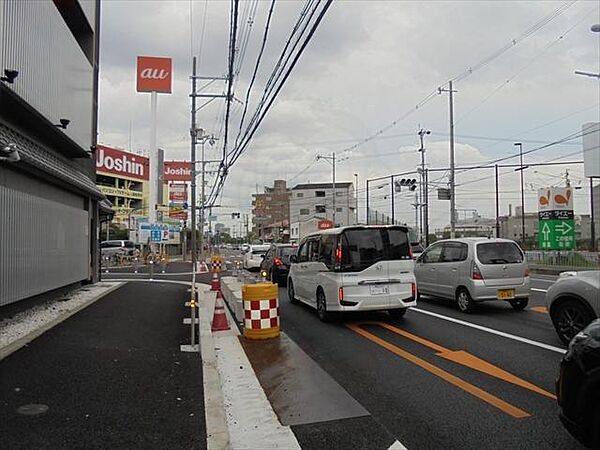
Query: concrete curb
[[21, 342]]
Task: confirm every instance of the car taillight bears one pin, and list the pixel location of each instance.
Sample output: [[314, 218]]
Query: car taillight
[[410, 253], [341, 294], [476, 273], [526, 274], [277, 261], [413, 290], [338, 255]]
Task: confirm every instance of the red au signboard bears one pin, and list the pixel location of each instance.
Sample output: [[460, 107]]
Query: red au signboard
[[119, 162], [154, 74], [177, 171], [324, 224]]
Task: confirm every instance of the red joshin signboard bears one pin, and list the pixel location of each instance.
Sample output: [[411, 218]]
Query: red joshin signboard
[[154, 74], [119, 162], [177, 171]]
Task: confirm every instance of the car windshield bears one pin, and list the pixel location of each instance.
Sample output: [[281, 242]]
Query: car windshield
[[361, 248], [499, 253], [288, 251]]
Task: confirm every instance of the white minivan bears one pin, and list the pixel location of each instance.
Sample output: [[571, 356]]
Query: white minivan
[[354, 268]]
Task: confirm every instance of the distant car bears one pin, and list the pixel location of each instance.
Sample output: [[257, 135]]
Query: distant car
[[578, 386], [244, 248], [276, 262], [112, 248], [573, 301], [472, 270], [416, 249], [254, 256]]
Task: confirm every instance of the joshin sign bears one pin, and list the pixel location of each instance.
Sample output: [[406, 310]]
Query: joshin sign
[[154, 74]]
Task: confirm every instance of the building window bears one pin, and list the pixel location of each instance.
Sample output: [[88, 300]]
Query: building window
[[320, 208], [319, 193], [300, 194], [339, 194], [338, 209], [304, 212]]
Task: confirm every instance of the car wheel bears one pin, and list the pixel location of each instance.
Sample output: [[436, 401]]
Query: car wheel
[[464, 301], [322, 306], [397, 313], [569, 318], [519, 304], [291, 293]]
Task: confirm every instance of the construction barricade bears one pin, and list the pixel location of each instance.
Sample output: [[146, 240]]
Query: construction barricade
[[216, 263], [261, 310]]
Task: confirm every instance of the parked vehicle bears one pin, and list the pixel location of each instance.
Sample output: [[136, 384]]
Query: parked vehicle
[[472, 270], [254, 256], [354, 268], [416, 249], [578, 386], [276, 262], [109, 249], [573, 301]]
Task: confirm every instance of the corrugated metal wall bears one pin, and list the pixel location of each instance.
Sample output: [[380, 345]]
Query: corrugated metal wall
[[54, 75], [44, 237]]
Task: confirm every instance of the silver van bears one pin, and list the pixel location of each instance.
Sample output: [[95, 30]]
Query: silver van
[[471, 270], [354, 268]]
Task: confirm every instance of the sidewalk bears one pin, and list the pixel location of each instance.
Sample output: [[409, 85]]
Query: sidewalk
[[111, 376]]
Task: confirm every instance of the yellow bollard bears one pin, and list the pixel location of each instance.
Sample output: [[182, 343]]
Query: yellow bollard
[[261, 310], [216, 263]]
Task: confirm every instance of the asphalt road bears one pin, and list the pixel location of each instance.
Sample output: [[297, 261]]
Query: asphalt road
[[111, 376], [437, 378]]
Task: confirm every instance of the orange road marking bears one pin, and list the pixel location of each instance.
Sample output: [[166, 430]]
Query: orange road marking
[[492, 400], [540, 309], [468, 360]]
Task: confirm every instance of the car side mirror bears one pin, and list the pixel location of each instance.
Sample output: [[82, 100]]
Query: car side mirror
[[293, 259]]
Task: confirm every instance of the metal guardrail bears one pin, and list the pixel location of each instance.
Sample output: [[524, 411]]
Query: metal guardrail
[[565, 259]]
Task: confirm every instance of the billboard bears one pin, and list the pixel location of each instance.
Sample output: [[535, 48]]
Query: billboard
[[591, 149], [177, 171], [122, 163], [178, 193], [556, 225], [555, 199], [154, 74]]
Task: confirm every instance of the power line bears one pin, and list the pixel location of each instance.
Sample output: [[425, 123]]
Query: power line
[[234, 24]]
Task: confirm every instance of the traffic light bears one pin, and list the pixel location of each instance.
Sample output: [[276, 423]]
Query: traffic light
[[235, 215], [410, 183]]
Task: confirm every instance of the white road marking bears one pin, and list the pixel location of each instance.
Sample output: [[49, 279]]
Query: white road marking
[[397, 446], [491, 330], [539, 290]]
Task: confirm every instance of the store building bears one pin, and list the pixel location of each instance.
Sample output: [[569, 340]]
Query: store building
[[50, 207], [123, 177]]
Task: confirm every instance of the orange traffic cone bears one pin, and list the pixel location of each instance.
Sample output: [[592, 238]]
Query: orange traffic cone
[[215, 283], [219, 322]]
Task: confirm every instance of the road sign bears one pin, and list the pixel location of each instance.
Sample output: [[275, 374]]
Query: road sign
[[556, 234], [156, 235]]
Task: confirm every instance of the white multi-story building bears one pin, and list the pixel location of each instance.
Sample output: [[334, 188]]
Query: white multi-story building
[[313, 203]]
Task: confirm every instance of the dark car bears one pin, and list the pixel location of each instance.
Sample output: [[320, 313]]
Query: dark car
[[578, 386], [276, 262]]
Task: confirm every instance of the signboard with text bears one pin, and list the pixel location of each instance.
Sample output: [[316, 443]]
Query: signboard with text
[[556, 224], [178, 193], [119, 162], [177, 171], [154, 74]]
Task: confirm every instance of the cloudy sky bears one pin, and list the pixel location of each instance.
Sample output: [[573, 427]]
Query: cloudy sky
[[368, 64]]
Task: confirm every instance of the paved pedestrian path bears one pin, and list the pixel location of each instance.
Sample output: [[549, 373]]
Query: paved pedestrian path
[[111, 376]]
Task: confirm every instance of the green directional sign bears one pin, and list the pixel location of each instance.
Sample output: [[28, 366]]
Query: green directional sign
[[557, 234]]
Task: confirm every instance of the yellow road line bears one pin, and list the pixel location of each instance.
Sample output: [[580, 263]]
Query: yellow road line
[[540, 309], [468, 360], [492, 400]]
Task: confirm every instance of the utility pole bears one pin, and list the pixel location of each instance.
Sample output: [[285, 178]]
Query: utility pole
[[497, 205], [332, 158], [356, 195], [367, 183], [426, 211], [193, 133], [423, 190], [392, 194], [521, 168], [452, 181]]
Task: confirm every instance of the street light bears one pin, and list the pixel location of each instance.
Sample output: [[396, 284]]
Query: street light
[[594, 29]]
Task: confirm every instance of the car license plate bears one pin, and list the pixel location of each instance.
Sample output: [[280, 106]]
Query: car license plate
[[505, 294], [378, 290]]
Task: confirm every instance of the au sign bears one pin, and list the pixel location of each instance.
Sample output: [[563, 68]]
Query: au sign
[[154, 74]]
